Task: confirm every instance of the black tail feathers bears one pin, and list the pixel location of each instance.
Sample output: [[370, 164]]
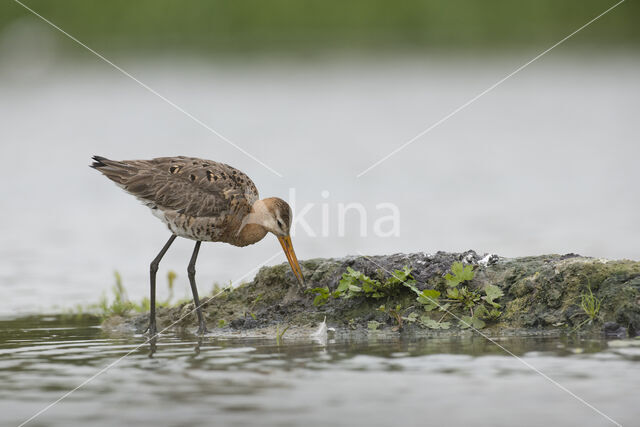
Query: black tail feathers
[[98, 162]]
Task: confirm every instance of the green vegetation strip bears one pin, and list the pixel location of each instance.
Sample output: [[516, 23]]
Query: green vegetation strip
[[481, 305]]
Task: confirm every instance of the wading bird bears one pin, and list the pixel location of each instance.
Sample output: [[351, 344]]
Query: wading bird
[[201, 200]]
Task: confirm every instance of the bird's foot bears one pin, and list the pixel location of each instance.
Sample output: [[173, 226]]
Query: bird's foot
[[202, 329]]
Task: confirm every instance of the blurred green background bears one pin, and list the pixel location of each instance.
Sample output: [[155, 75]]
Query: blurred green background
[[310, 26]]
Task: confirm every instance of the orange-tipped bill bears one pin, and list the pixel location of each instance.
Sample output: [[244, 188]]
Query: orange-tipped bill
[[291, 257]]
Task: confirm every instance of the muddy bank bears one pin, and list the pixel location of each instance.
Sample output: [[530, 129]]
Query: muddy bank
[[541, 294]]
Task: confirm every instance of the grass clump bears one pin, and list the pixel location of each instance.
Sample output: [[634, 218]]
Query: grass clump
[[590, 305], [280, 334], [120, 304]]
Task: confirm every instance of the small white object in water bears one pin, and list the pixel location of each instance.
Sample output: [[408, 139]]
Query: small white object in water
[[321, 333]]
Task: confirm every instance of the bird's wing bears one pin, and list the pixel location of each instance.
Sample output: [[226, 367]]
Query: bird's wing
[[191, 186]]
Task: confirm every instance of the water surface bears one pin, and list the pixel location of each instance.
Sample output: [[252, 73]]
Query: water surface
[[366, 381]]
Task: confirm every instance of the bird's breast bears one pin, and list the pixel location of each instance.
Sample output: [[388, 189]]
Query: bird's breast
[[206, 229]]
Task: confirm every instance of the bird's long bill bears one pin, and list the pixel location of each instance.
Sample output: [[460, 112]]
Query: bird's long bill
[[291, 257]]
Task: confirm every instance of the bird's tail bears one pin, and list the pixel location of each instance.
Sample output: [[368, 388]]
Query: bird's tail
[[119, 172]]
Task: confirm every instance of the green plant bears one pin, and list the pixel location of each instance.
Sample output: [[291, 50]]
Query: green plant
[[218, 289], [171, 277], [352, 324], [464, 296], [393, 313], [471, 321], [120, 305], [280, 334], [428, 322], [480, 307], [252, 307], [322, 295], [373, 325], [460, 274], [355, 283], [590, 304]]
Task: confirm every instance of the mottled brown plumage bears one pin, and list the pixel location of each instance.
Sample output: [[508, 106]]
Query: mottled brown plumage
[[202, 200], [197, 199]]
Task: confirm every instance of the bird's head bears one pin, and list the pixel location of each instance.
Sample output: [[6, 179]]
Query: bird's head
[[276, 218]]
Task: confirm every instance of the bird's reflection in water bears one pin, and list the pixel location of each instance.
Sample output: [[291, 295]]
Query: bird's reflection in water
[[196, 349], [153, 346]]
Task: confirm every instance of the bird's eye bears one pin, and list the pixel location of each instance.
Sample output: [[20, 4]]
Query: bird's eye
[[279, 223]]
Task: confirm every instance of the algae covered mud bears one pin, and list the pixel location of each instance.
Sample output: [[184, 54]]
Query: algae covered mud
[[417, 294]]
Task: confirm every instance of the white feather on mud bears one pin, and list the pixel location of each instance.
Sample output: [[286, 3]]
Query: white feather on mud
[[320, 334]]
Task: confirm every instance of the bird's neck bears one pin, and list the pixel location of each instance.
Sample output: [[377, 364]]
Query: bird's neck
[[252, 229], [250, 234]]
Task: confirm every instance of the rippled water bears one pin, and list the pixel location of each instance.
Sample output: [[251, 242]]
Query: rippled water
[[366, 381]]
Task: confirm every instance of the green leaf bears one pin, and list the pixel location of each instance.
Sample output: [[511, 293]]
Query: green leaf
[[430, 294], [348, 278], [352, 273], [373, 325], [322, 295], [468, 321], [428, 322], [481, 312], [411, 317], [492, 293], [444, 307], [494, 314], [460, 274], [429, 299], [343, 285], [411, 284]]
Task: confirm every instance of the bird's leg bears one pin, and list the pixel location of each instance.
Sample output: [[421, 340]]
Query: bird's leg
[[191, 271], [152, 346], [153, 269]]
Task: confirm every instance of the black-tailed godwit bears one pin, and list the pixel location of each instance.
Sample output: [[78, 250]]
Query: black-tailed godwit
[[201, 200]]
